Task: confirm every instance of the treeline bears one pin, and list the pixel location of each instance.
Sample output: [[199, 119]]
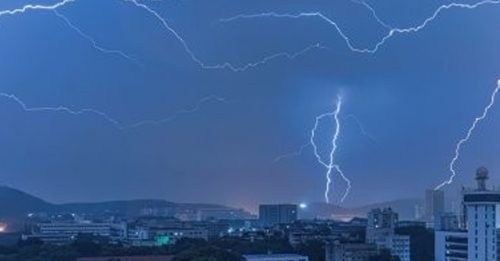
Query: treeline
[[228, 249]]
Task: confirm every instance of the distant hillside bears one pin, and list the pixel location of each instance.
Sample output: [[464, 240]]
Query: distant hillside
[[133, 207], [15, 205], [14, 201], [404, 207]]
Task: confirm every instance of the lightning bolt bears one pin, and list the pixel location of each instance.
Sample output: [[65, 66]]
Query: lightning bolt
[[330, 164], [361, 127], [293, 154], [63, 109], [90, 39], [465, 139], [116, 123], [225, 65], [265, 60], [176, 114], [373, 12], [306, 145], [392, 31]]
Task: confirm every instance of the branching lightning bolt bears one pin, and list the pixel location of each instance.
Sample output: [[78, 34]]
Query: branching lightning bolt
[[465, 139], [330, 164], [90, 39], [392, 31], [306, 145], [116, 123]]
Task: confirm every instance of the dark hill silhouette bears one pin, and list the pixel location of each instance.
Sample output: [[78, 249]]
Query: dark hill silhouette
[[13, 201], [15, 205]]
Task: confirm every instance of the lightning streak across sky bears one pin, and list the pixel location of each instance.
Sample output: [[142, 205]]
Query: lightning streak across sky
[[392, 31], [92, 41], [169, 28], [465, 139], [330, 164], [116, 123], [30, 7]]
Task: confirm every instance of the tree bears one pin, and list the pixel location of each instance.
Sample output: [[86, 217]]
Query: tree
[[207, 253], [88, 245], [314, 249], [385, 255]]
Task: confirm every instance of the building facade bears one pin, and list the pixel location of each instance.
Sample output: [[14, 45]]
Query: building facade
[[65, 232], [277, 214]]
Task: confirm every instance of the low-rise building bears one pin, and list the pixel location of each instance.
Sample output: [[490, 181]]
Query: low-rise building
[[63, 233], [277, 214], [336, 251]]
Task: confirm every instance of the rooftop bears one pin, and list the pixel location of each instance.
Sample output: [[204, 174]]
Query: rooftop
[[128, 258]]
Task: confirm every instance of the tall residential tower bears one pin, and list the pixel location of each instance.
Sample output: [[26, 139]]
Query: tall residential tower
[[477, 241]]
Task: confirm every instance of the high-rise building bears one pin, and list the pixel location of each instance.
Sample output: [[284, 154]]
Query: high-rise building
[[277, 214], [480, 211], [478, 242], [434, 205]]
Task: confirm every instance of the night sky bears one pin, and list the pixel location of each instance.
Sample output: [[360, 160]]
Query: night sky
[[413, 100]]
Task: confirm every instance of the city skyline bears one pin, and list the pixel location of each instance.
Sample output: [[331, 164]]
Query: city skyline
[[216, 102]]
